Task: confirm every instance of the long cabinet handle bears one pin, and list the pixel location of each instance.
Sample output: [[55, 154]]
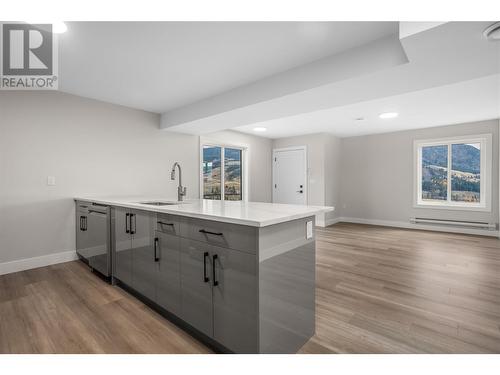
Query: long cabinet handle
[[83, 223], [208, 232], [96, 212], [205, 277], [132, 231], [214, 258], [99, 205], [127, 223], [156, 249], [163, 223]]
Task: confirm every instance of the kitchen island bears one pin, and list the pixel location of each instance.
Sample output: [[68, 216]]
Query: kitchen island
[[238, 275]]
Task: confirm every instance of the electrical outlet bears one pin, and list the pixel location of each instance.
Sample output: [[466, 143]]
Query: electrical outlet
[[309, 230], [51, 181]]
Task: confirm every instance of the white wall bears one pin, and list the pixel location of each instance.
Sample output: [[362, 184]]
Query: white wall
[[332, 177], [371, 177], [258, 155], [323, 167], [377, 175], [92, 148]]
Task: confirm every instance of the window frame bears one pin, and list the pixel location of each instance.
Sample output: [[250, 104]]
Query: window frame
[[485, 140], [244, 168]]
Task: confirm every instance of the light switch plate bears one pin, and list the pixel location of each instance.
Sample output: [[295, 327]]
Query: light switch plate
[[51, 181], [309, 230]]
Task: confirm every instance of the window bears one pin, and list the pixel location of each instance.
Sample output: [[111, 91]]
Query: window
[[222, 167], [232, 174], [212, 176], [454, 173]]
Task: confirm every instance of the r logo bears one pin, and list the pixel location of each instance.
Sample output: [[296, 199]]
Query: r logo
[[27, 49]]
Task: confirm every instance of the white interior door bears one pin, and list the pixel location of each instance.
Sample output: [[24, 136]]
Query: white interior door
[[290, 176]]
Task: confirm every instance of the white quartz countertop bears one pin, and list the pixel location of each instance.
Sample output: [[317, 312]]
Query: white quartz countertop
[[255, 214]]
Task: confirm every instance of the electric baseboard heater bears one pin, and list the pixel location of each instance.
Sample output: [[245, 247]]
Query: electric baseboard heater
[[456, 223]]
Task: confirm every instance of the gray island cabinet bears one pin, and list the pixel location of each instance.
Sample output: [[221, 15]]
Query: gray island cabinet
[[240, 288]]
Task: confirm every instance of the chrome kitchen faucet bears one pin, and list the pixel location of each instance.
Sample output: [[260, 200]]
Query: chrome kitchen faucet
[[181, 191]]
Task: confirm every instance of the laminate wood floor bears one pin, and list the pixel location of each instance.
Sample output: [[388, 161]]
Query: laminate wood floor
[[65, 308], [379, 290], [390, 290]]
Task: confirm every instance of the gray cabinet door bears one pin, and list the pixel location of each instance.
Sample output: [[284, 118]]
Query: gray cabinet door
[[168, 281], [235, 300], [123, 246], [196, 287], [144, 267], [98, 227]]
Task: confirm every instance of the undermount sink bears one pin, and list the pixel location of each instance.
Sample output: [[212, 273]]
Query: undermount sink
[[158, 203]]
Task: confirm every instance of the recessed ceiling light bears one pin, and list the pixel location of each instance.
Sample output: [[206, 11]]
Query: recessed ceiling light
[[259, 129], [59, 27], [386, 115]]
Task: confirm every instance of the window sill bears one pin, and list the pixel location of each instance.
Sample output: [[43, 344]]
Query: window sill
[[457, 207]]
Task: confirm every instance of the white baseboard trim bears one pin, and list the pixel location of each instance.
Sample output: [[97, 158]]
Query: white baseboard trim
[[41, 261], [335, 220], [322, 221], [408, 225]]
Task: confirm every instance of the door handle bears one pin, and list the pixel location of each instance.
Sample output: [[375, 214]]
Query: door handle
[[156, 249], [205, 277], [300, 191], [127, 223], [214, 258]]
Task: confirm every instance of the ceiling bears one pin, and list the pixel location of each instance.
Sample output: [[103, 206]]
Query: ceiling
[[467, 101], [159, 66], [435, 56], [292, 78]]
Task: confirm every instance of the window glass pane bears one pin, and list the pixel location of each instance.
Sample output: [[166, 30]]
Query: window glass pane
[[232, 174], [465, 172], [211, 172], [435, 173]]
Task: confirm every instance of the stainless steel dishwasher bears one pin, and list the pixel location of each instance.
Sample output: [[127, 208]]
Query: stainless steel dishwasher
[[93, 241]]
